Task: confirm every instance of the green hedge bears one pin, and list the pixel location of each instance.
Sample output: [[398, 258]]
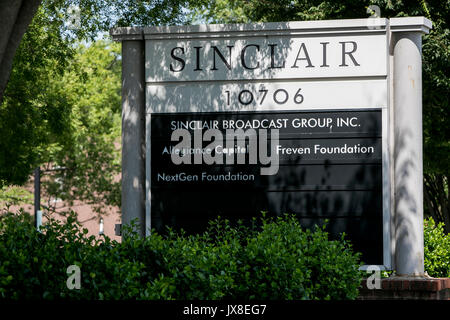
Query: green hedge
[[275, 259], [437, 249]]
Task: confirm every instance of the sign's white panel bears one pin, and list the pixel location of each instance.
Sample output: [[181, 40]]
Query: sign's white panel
[[245, 96], [283, 57]]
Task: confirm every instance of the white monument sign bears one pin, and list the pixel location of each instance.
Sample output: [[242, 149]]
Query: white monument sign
[[343, 95]]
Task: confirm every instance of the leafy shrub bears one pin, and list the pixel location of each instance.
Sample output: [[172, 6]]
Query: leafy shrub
[[437, 249], [276, 259], [283, 261], [33, 264]]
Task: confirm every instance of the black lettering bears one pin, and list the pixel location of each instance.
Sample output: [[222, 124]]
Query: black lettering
[[324, 57], [243, 57], [216, 50], [272, 58], [349, 53], [305, 58], [250, 99], [183, 63], [197, 52]]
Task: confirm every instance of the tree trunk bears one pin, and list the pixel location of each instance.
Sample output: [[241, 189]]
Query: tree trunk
[[15, 16]]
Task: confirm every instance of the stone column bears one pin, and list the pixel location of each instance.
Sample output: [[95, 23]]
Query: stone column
[[133, 126], [408, 158]]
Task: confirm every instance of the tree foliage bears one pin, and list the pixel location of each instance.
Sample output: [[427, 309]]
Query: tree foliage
[[61, 104], [31, 115], [62, 108], [79, 19], [13, 196], [90, 153]]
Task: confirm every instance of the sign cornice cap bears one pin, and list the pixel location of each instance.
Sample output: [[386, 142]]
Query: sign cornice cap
[[410, 24], [250, 29], [126, 33], [400, 24], [309, 25]]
